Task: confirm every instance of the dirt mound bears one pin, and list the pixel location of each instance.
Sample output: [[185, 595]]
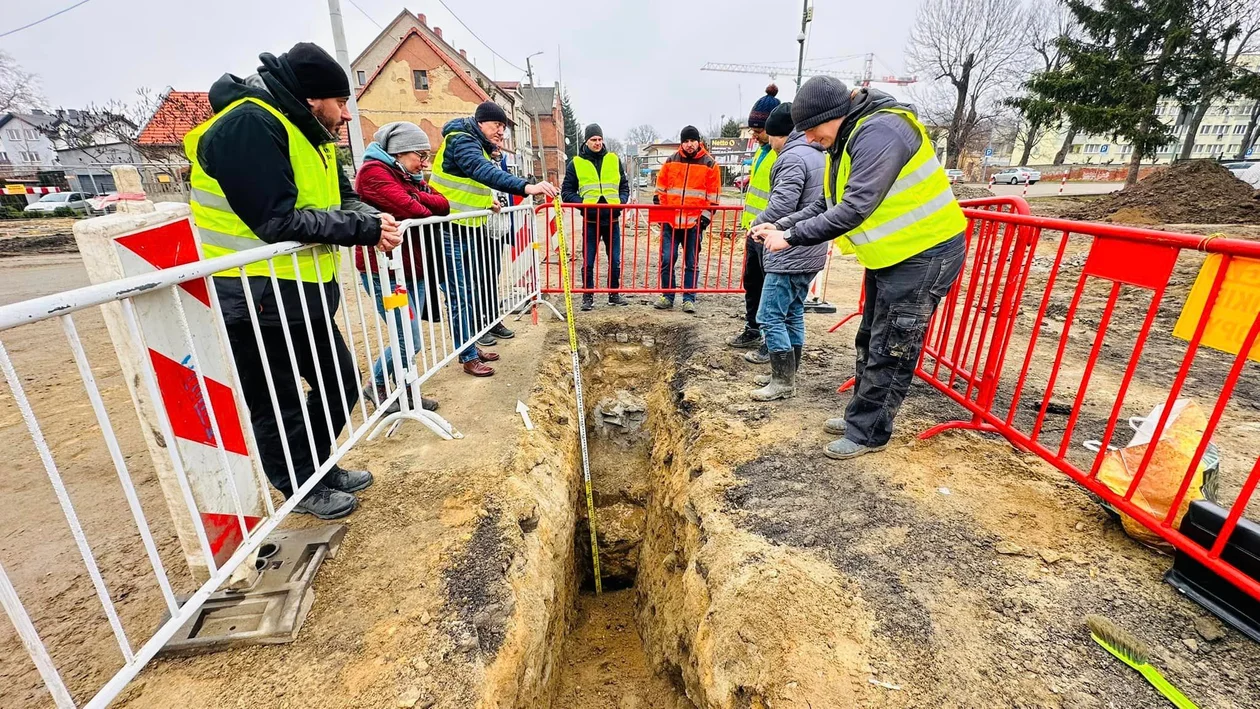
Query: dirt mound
[[962, 192], [1197, 192]]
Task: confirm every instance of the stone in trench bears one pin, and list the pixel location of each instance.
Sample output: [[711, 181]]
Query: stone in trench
[[1209, 629], [624, 411], [630, 701], [1008, 548], [1191, 644], [1050, 556]]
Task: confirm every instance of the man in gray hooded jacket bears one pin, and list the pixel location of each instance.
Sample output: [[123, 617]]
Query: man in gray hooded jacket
[[796, 181]]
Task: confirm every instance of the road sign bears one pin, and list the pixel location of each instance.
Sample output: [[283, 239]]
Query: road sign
[[988, 152], [1250, 151], [1103, 148], [726, 144]]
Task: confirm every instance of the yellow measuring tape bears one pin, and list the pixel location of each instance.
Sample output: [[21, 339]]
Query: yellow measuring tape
[[577, 387]]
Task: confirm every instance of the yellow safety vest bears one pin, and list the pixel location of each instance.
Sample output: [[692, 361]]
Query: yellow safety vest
[[465, 194], [605, 183], [222, 232], [758, 196], [918, 212]]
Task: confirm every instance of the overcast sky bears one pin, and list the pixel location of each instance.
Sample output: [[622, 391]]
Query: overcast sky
[[624, 62]]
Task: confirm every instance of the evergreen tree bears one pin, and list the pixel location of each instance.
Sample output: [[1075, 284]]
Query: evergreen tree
[[1124, 63], [730, 129], [572, 139]]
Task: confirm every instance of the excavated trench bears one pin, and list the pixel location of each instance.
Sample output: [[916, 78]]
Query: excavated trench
[[604, 661]]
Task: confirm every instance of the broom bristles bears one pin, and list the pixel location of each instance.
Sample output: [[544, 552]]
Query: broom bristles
[[1118, 638]]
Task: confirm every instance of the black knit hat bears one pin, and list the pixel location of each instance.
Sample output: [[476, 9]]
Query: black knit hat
[[318, 74], [821, 99], [689, 133], [592, 130], [779, 124], [761, 110], [488, 111]]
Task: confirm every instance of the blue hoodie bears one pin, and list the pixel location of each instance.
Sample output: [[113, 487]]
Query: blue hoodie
[[466, 157]]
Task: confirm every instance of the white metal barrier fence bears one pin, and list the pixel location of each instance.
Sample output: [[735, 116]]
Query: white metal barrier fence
[[202, 385]]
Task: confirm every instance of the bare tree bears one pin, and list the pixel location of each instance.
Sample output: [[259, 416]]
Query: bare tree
[[19, 89], [615, 146], [1046, 25], [642, 135], [975, 48]]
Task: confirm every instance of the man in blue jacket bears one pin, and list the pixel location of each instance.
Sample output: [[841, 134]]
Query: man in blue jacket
[[465, 174]]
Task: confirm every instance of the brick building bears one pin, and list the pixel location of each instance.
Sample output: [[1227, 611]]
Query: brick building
[[544, 103]]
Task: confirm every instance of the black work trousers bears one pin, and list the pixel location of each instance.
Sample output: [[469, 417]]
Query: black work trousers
[[754, 279], [900, 301], [289, 396]]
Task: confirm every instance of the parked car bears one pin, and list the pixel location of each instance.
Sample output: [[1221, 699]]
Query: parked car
[[643, 182], [741, 182], [1239, 167], [78, 201], [1017, 176], [955, 176]]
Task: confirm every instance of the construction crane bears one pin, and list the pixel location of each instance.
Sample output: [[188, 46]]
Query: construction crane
[[866, 79]]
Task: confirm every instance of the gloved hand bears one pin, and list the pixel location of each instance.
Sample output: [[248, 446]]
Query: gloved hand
[[704, 222], [656, 199]]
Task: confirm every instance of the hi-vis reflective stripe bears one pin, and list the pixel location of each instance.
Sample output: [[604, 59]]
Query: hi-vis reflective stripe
[[472, 188], [896, 224], [920, 174], [227, 241], [758, 192], [210, 199]]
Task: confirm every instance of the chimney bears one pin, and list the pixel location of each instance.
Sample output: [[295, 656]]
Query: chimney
[[438, 31], [423, 20], [463, 54]]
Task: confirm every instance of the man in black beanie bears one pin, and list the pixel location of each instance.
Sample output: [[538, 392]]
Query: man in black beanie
[[887, 199], [262, 169], [596, 176]]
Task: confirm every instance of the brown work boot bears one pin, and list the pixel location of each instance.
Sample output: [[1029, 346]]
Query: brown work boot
[[487, 355], [477, 368]]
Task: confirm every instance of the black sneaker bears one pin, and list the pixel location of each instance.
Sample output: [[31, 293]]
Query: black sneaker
[[745, 340], [617, 299], [588, 304], [347, 480], [487, 340], [327, 503], [502, 332]]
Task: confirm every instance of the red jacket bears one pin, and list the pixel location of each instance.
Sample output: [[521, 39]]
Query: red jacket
[[689, 182], [392, 191]]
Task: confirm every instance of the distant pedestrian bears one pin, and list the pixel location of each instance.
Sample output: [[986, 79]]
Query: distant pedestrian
[[887, 196], [689, 179], [392, 180], [796, 181], [755, 200], [596, 176]]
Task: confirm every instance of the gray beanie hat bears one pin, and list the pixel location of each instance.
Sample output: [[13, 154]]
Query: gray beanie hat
[[821, 99], [402, 137]]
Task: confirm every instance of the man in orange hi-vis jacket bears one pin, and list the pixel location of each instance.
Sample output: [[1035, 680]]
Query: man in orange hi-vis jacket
[[689, 178]]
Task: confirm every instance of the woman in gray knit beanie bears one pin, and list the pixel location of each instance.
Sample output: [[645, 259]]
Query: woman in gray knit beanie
[[403, 144]]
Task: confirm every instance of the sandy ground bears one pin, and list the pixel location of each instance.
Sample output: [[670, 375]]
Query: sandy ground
[[1048, 188], [956, 570]]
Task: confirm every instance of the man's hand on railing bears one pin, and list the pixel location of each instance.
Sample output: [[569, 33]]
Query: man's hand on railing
[[543, 188], [390, 236]]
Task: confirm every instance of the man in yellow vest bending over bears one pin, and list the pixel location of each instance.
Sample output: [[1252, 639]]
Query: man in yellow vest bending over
[[264, 170], [885, 195], [596, 176]]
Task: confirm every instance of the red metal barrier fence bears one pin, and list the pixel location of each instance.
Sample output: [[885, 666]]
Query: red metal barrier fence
[[1075, 321], [640, 228]]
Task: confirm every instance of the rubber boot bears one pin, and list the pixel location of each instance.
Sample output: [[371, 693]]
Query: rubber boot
[[782, 378], [764, 379]]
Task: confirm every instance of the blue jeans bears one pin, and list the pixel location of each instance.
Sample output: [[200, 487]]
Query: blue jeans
[[781, 314], [415, 303], [689, 239], [458, 289]]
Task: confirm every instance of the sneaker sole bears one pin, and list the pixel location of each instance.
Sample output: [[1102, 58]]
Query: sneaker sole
[[776, 397], [847, 456], [506, 337], [835, 431], [303, 511]]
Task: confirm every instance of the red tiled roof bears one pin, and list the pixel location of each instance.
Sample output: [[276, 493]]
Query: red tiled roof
[[181, 111], [445, 56], [508, 85]]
